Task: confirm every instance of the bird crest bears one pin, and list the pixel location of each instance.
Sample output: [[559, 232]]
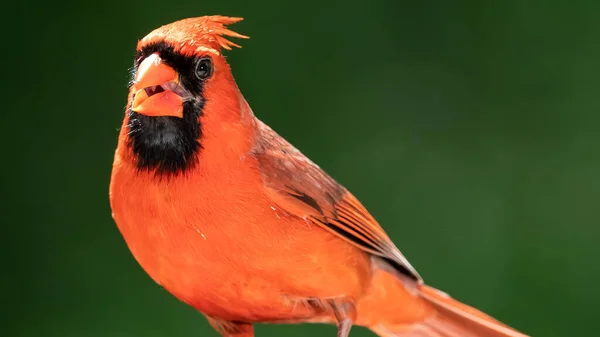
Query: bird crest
[[195, 35]]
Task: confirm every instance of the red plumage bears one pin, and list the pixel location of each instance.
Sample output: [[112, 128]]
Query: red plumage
[[231, 219]]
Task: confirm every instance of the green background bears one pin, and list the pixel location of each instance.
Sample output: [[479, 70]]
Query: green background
[[468, 128]]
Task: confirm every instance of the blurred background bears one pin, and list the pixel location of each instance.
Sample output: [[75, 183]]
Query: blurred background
[[469, 129]]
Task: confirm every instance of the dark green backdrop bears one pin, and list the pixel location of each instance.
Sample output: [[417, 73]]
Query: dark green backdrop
[[468, 128]]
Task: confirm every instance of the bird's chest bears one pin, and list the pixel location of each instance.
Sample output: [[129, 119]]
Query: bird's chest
[[211, 248]]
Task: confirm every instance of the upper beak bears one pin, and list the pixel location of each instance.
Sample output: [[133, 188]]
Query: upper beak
[[157, 89]]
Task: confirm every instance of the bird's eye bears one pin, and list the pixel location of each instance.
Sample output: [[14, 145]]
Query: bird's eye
[[204, 68]]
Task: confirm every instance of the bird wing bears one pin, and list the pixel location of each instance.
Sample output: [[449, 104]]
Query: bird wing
[[301, 188]]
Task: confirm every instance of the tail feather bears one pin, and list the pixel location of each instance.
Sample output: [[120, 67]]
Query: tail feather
[[465, 316], [451, 319], [393, 307]]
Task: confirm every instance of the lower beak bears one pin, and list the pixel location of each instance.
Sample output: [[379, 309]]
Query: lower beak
[[155, 83]]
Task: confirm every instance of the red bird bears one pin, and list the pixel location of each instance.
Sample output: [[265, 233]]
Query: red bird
[[231, 219]]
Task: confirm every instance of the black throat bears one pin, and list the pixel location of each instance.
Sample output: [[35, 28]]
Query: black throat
[[164, 144]]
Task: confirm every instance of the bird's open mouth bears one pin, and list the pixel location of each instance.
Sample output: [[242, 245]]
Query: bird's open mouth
[[157, 89], [169, 86], [160, 100]]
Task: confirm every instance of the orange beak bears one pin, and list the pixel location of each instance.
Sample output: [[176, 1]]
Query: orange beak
[[154, 84]]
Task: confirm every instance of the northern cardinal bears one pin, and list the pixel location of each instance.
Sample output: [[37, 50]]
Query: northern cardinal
[[231, 219]]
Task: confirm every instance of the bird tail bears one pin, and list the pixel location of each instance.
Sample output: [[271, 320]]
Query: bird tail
[[433, 314], [452, 318]]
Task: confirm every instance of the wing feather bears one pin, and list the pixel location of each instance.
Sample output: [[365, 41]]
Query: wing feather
[[302, 189]]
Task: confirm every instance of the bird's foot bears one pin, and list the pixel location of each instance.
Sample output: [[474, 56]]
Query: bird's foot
[[345, 314], [231, 328]]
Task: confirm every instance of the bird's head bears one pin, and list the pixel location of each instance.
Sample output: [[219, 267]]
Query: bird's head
[[180, 82]]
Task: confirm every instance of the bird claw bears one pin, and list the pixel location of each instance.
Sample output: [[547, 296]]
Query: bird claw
[[231, 329]]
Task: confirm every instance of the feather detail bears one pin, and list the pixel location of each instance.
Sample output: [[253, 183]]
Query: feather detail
[[301, 188], [195, 35]]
